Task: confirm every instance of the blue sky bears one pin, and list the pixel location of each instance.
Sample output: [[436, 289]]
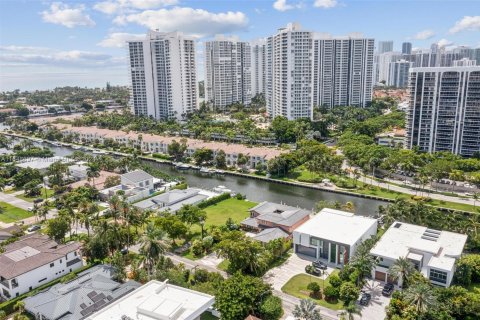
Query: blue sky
[[44, 44]]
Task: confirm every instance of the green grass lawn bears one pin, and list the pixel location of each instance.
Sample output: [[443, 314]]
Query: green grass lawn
[[11, 213], [297, 287], [50, 193], [218, 213], [224, 265]]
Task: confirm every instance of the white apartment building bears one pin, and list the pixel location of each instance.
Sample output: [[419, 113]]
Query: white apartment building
[[258, 66], [163, 75], [398, 73], [444, 110], [464, 62], [227, 72], [382, 66], [35, 260], [289, 73], [342, 70], [432, 252], [385, 46]]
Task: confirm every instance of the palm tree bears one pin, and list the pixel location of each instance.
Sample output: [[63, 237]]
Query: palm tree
[[306, 310], [19, 306], [476, 196], [115, 204], [350, 311], [93, 171], [151, 246], [401, 269], [363, 261], [421, 296]]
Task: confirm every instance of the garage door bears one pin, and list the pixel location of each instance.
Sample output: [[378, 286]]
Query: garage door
[[380, 276], [312, 252]]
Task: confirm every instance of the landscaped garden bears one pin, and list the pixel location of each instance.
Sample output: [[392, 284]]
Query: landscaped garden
[[9, 213], [48, 192], [298, 286], [237, 210]]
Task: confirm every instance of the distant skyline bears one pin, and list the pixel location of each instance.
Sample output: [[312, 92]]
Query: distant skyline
[[45, 44]]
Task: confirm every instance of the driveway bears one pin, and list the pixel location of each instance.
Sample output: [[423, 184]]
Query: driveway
[[294, 265], [375, 310]]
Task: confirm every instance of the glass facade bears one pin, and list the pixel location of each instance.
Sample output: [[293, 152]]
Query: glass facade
[[438, 276]]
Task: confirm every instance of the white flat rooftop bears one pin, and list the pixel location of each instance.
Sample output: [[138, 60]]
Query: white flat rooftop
[[157, 301], [42, 163], [403, 239], [338, 226]]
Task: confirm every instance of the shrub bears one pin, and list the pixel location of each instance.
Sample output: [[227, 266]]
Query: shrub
[[330, 293], [200, 275], [207, 243], [314, 287], [271, 308], [214, 200], [162, 156], [197, 248], [335, 281], [348, 292]]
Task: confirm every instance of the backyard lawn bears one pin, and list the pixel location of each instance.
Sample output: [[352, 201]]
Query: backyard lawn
[[9, 213], [50, 193], [297, 287], [218, 213]]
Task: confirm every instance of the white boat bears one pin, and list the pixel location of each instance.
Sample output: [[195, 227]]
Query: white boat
[[76, 147], [182, 166], [222, 189], [206, 170], [218, 171], [99, 152]]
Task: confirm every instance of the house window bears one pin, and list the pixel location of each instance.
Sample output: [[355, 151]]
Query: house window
[[51, 265], [42, 279], [438, 276]]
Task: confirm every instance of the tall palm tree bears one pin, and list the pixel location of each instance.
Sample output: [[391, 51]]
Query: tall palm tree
[[115, 204], [401, 269], [350, 311], [363, 261], [306, 310], [421, 296], [151, 246], [93, 171]]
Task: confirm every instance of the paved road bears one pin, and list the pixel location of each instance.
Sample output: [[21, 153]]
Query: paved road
[[22, 204]]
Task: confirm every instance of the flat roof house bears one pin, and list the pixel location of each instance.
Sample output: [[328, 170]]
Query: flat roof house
[[92, 290], [34, 260], [333, 235], [274, 220], [173, 200], [157, 300], [432, 252], [135, 185], [137, 178]]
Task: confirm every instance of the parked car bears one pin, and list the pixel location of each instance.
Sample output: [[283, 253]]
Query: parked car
[[387, 289], [33, 228], [365, 299], [313, 271], [30, 208], [38, 200], [319, 264], [124, 251]]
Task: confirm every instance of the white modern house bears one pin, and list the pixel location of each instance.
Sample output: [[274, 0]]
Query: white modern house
[[134, 185], [432, 252], [78, 170], [137, 178], [333, 235], [33, 261], [157, 300]]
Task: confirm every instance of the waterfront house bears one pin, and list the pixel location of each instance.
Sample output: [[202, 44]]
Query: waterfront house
[[432, 252], [274, 220], [173, 200], [333, 235]]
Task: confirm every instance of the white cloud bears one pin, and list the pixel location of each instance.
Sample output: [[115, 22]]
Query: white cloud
[[424, 35], [125, 6], [67, 16], [282, 5], [471, 23], [12, 55], [326, 4], [444, 43], [119, 39], [191, 21]]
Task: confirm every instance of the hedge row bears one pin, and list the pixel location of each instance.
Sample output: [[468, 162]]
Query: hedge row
[[7, 306], [214, 200]]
